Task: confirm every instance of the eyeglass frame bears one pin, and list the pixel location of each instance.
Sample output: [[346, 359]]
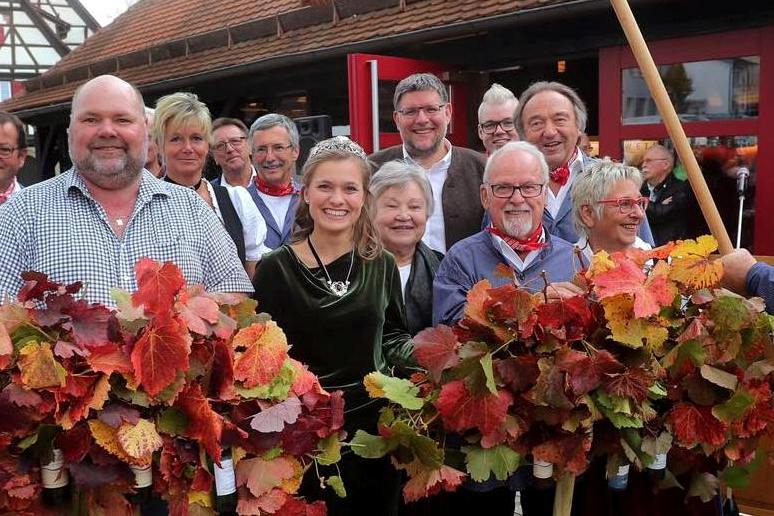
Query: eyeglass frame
[[410, 112], [516, 187], [498, 123], [236, 143], [7, 152], [263, 150], [641, 201]]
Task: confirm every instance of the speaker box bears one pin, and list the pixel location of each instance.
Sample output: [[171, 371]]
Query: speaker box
[[311, 129]]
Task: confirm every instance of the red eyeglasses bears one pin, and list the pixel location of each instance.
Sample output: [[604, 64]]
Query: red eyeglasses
[[626, 204]]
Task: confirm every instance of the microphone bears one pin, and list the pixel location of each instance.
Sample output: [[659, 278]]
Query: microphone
[[742, 175]]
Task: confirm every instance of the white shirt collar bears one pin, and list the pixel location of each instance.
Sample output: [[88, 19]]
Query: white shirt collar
[[442, 163], [224, 181], [554, 202]]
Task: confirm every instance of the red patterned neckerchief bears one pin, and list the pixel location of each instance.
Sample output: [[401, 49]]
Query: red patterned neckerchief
[[274, 191], [530, 244], [562, 174], [5, 195]]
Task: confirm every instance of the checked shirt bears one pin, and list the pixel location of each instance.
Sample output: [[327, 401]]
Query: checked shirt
[[57, 228]]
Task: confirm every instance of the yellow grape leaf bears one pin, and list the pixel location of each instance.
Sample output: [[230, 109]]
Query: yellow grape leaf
[[139, 441], [39, 368], [292, 484], [626, 329], [372, 386], [201, 498], [691, 265], [600, 262], [101, 392], [107, 437]]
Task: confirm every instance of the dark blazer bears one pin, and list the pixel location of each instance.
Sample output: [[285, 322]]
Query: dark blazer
[[671, 221], [462, 210], [231, 220], [419, 288], [274, 237]]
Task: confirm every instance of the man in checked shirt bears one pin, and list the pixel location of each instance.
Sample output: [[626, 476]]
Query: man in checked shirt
[[95, 221]]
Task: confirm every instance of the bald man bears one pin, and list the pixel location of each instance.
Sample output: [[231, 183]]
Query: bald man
[[95, 221]]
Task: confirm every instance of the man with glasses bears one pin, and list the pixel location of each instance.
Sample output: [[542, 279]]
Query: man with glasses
[[273, 141], [422, 115], [552, 116], [13, 152], [672, 207], [514, 196], [495, 118], [232, 153]]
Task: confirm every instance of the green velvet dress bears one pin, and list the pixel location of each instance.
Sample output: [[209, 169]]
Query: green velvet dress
[[342, 339]]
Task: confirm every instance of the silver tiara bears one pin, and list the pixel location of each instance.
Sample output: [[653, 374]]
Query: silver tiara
[[338, 143]]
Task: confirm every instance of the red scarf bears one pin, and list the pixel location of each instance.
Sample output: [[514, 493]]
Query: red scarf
[[532, 243], [274, 191], [5, 195], [562, 174]]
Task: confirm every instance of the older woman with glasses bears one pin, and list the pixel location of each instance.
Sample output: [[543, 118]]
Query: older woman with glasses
[[182, 128], [403, 200], [608, 208]]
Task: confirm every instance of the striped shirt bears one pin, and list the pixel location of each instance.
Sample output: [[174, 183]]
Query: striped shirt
[[57, 228]]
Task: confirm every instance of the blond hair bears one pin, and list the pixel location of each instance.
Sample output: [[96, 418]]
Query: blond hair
[[179, 110]]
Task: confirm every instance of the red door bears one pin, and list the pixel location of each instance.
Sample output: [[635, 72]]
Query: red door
[[375, 77]]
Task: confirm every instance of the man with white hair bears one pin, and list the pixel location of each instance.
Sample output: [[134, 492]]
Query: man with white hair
[[495, 118], [152, 162], [514, 196], [95, 221]]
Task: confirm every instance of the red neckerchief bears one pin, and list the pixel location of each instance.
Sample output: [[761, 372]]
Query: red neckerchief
[[562, 174], [530, 244], [275, 191], [5, 195]]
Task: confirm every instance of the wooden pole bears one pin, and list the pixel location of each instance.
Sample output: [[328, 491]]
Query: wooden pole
[[672, 122]]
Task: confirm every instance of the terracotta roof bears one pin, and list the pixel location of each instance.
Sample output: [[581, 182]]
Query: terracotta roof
[[161, 40]]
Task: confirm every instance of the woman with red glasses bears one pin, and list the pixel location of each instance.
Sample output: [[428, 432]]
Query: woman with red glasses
[[608, 208]]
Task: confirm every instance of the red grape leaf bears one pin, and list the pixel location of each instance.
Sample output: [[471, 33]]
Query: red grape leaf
[[89, 323], [267, 503], [64, 349], [435, 349], [632, 383], [222, 371], [260, 476], [298, 507], [21, 397], [198, 310], [460, 410], [510, 306], [274, 418], [109, 359], [160, 353], [585, 371], [475, 310], [424, 481], [650, 294], [567, 319], [6, 348], [304, 380], [519, 373], [569, 452], [204, 424], [267, 350], [549, 389], [36, 285], [75, 443], [693, 425], [116, 415], [157, 285]]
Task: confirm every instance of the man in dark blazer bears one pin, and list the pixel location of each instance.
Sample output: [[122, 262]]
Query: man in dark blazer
[[422, 114], [672, 207], [552, 116]]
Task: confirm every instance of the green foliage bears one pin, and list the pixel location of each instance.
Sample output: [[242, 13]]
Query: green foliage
[[499, 461]]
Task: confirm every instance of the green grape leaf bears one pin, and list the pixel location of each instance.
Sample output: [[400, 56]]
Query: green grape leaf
[[486, 366], [400, 391], [735, 407], [371, 446], [483, 462], [172, 421], [337, 484], [329, 450]]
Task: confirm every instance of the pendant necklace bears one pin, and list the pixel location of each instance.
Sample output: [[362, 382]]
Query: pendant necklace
[[338, 288]]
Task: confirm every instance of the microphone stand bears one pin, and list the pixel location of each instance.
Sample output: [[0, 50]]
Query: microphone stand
[[741, 186]]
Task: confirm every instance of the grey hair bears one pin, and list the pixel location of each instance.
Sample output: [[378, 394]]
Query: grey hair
[[495, 96], [420, 82], [514, 147], [664, 152], [400, 173], [149, 111], [594, 184], [581, 114], [273, 120]]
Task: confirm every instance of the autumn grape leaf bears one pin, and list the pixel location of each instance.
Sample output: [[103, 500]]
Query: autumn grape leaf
[[109, 359], [107, 437], [267, 503], [398, 390], [371, 446], [160, 353], [116, 415], [486, 367], [21, 397], [424, 481], [6, 348], [567, 319], [569, 452], [140, 440], [329, 450], [632, 383], [476, 310], [704, 485], [585, 371], [628, 330], [198, 310], [691, 265], [204, 424], [693, 425], [275, 417], [650, 293], [157, 285], [265, 351], [89, 323], [435, 349], [460, 410], [481, 463], [260, 476], [719, 377], [549, 388], [39, 369], [735, 407], [600, 263]]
